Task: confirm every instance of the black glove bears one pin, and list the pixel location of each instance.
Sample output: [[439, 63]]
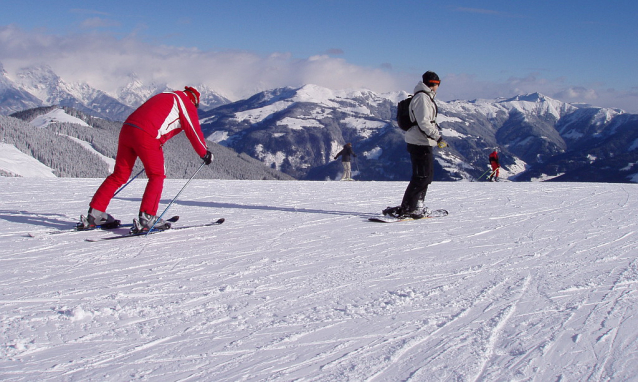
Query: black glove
[[208, 158]]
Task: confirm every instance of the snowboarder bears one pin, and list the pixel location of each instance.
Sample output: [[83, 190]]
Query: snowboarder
[[495, 166], [142, 135], [420, 139], [345, 160]]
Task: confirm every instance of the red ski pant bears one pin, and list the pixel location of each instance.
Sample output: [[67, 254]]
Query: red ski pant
[[495, 168], [134, 143]]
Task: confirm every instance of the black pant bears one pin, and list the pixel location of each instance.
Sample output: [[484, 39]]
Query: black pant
[[422, 172]]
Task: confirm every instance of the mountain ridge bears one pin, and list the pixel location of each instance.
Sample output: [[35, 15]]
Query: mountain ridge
[[297, 130], [529, 130], [39, 85]]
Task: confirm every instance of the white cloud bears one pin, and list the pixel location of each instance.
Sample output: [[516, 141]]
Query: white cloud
[[478, 10], [88, 11], [467, 87], [98, 22], [105, 62]]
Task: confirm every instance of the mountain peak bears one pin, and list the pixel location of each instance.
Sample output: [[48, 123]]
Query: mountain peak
[[530, 97], [314, 93]]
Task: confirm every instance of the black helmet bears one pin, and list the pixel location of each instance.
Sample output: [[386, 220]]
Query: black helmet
[[430, 79]]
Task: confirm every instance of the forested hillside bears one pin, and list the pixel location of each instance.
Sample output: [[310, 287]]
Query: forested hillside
[[66, 157], [53, 146]]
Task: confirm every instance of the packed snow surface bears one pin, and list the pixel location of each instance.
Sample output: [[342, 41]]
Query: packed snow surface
[[522, 281]]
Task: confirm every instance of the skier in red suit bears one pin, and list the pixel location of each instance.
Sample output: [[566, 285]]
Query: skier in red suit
[[143, 133], [495, 165]]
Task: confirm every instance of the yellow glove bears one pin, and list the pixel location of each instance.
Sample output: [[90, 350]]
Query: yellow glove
[[441, 143]]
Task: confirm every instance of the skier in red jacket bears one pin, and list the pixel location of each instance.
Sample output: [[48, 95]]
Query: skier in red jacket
[[495, 166], [143, 133]]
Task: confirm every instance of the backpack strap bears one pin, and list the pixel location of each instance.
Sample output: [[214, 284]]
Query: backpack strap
[[436, 108], [415, 123], [436, 111]]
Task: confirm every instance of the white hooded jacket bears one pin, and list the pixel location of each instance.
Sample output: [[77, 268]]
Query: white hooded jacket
[[423, 112]]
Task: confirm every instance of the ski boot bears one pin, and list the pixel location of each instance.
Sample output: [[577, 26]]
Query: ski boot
[[400, 213], [97, 219], [418, 213], [395, 212], [421, 211], [146, 221]]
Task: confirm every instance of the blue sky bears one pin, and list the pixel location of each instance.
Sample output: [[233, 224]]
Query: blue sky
[[576, 51]]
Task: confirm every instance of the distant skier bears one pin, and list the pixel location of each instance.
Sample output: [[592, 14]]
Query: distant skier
[[495, 166], [345, 160], [142, 136], [420, 139]]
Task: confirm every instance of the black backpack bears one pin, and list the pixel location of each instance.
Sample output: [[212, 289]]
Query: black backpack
[[403, 113]]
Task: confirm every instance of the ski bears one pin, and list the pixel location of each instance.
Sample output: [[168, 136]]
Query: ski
[[97, 228], [216, 222], [110, 228], [389, 219]]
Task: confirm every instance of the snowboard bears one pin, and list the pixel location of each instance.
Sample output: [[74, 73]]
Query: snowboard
[[388, 219]]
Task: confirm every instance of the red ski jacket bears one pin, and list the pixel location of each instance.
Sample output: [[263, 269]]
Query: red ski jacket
[[165, 115], [494, 157]]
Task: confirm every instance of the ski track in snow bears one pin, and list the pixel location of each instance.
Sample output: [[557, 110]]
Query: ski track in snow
[[522, 281]]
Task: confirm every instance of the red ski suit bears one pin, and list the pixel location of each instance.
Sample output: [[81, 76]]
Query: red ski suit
[[494, 163], [144, 132]]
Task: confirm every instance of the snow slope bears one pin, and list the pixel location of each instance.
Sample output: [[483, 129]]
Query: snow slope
[[57, 115], [522, 281], [110, 162], [16, 162]]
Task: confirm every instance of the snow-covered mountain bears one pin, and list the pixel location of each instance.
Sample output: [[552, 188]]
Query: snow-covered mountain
[[36, 86], [12, 97], [209, 98], [44, 84], [135, 92], [298, 130]]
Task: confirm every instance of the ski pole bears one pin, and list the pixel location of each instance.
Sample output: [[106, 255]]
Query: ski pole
[[479, 178], [121, 188], [169, 204]]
